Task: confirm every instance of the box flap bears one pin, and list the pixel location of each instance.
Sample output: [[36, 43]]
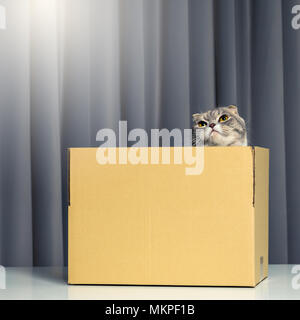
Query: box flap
[[261, 210]]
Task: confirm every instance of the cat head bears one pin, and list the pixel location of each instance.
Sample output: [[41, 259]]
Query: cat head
[[221, 127]]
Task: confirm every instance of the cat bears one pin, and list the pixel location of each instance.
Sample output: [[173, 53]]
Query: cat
[[221, 126]]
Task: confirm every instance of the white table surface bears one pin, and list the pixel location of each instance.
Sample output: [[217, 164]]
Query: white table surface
[[50, 283]]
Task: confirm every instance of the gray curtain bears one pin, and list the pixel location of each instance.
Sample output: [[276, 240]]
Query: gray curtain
[[71, 67]]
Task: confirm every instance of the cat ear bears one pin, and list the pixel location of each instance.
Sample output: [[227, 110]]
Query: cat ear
[[233, 108], [196, 116]]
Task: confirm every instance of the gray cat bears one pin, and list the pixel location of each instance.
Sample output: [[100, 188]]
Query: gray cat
[[219, 127]]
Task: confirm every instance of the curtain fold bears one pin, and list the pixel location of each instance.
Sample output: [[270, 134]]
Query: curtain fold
[[16, 236], [268, 125], [291, 54], [45, 134], [202, 67], [174, 75], [71, 67]]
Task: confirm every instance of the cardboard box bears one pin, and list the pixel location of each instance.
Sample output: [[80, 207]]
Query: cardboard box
[[154, 225]]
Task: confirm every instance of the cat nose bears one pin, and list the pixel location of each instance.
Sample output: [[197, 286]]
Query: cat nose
[[212, 125]]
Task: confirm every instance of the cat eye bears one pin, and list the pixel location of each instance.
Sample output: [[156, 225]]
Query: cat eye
[[202, 124], [223, 118]]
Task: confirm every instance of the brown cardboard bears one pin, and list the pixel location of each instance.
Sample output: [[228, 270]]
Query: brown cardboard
[[154, 225]]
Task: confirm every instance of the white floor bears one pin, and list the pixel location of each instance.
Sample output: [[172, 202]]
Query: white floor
[[50, 283]]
